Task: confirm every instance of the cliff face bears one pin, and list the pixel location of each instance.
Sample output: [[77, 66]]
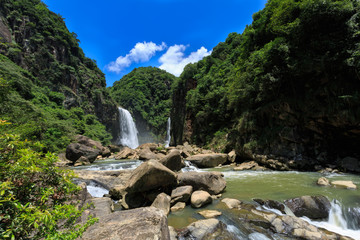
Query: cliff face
[[287, 87], [37, 40]]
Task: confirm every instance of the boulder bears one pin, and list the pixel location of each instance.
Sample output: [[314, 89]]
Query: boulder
[[162, 202], [114, 148], [206, 229], [231, 202], [173, 233], [210, 213], [314, 207], [178, 206], [173, 160], [151, 146], [212, 182], [88, 142], [146, 154], [200, 198], [181, 194], [82, 161], [125, 153], [150, 175], [323, 182], [76, 150], [141, 223], [232, 156], [344, 184], [247, 166], [101, 207], [105, 152], [208, 160]]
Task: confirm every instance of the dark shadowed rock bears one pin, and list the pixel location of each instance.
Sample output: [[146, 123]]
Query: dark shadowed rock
[[181, 194], [76, 150], [140, 223], [173, 160], [212, 182], [314, 207], [350, 164], [271, 204], [208, 160], [114, 148]]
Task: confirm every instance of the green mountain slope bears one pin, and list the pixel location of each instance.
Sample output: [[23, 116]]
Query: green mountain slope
[[54, 90], [287, 86], [145, 92]]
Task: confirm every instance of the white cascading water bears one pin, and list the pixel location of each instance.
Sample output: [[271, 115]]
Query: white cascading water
[[168, 136], [128, 132]]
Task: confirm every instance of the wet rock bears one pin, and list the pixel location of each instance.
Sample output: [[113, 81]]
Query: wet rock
[[141, 223], [178, 206], [162, 202], [344, 184], [271, 204], [208, 160], [212, 182], [231, 202], [76, 150], [173, 160], [200, 198], [314, 207], [207, 229], [323, 182], [181, 194], [210, 213]]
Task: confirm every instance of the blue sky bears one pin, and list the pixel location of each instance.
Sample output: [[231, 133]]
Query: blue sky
[[123, 34]]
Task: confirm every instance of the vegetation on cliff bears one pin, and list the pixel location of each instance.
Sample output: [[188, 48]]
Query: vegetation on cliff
[[52, 90], [145, 92], [288, 85]]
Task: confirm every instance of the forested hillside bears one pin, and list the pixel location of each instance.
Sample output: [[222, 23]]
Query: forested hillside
[[288, 85], [146, 93], [50, 90]]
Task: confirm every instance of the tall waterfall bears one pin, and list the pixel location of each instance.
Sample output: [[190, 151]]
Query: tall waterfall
[[128, 132], [168, 136]]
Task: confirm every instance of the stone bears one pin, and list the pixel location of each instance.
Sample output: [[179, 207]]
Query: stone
[[200, 198], [246, 166], [181, 194], [231, 202], [82, 161], [271, 204], [125, 153], [208, 160], [140, 223], [105, 152], [178, 206], [173, 233], [173, 160], [147, 154], [88, 142], [232, 156], [210, 213], [162, 202], [151, 146], [344, 184], [102, 207], [150, 175], [212, 182], [313, 207], [323, 182], [76, 150], [114, 148]]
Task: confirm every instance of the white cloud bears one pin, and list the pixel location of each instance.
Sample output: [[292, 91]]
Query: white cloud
[[141, 52], [173, 61]]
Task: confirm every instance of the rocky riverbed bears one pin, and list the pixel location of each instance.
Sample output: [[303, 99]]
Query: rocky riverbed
[[139, 199]]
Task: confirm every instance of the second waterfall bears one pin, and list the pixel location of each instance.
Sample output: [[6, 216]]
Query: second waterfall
[[128, 132]]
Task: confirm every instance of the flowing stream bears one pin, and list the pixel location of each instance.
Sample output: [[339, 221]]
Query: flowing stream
[[128, 132]]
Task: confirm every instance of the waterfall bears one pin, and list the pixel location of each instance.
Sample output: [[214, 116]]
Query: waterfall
[[128, 132], [168, 136], [336, 215]]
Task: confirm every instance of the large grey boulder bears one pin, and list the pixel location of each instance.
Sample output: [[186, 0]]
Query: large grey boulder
[[100, 208], [76, 150], [162, 202], [140, 223], [105, 151], [314, 207], [208, 160], [147, 154], [200, 198], [173, 160], [150, 175], [212, 182], [181, 194]]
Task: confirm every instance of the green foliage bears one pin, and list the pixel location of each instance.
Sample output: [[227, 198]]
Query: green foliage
[[292, 64], [145, 92], [34, 193]]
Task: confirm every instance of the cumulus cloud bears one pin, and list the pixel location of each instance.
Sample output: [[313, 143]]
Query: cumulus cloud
[[141, 52], [174, 60]]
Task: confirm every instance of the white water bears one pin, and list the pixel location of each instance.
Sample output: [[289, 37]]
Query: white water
[[189, 167], [168, 136], [128, 132], [96, 190]]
